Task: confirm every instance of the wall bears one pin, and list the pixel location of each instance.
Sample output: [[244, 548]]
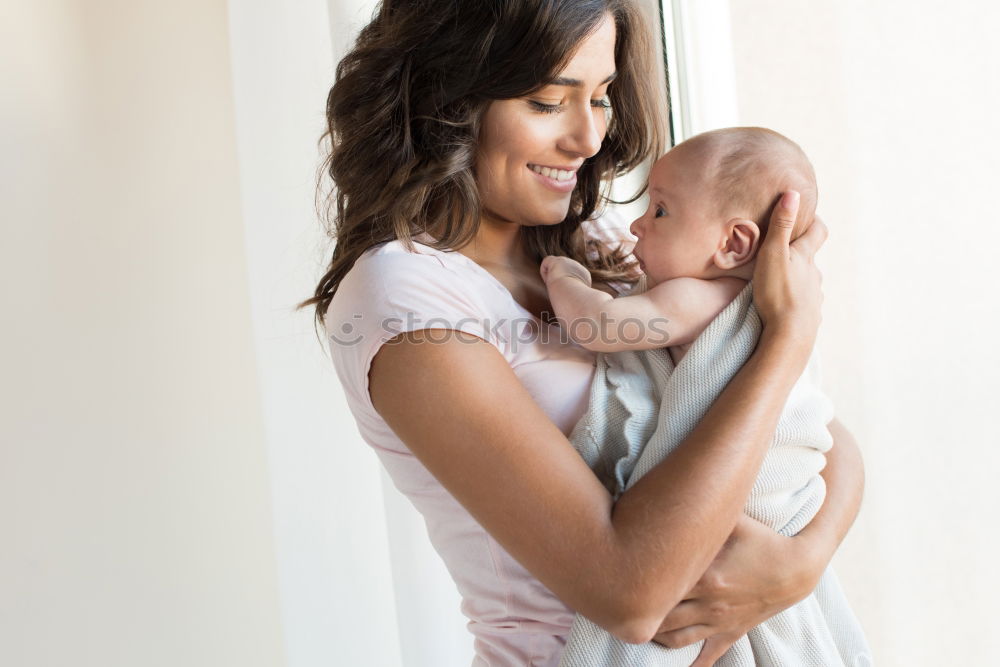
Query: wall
[[895, 101], [135, 517]]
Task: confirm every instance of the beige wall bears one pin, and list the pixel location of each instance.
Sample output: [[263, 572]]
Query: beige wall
[[134, 500], [895, 102]]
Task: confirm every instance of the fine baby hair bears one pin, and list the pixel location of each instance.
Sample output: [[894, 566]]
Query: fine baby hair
[[750, 167]]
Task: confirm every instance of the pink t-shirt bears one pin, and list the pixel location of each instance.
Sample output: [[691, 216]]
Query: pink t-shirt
[[514, 618]]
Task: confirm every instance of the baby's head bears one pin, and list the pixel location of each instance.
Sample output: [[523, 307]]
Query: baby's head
[[710, 200]]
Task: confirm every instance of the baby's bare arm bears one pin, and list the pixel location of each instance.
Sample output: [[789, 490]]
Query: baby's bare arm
[[690, 304], [671, 313], [577, 304]]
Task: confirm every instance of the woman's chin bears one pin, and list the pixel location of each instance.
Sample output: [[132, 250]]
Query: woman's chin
[[547, 218]]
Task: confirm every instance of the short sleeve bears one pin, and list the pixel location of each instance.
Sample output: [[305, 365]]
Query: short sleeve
[[393, 291]]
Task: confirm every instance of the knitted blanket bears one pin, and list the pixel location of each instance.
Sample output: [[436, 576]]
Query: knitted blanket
[[641, 408]]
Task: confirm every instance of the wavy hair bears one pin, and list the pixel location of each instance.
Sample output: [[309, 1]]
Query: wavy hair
[[404, 114]]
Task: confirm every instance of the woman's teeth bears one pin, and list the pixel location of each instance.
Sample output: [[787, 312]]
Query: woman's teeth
[[554, 174]]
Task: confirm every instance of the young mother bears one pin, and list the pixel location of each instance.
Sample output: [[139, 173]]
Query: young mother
[[469, 140]]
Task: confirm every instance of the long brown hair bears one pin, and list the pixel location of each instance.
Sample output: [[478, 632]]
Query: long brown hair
[[404, 116]]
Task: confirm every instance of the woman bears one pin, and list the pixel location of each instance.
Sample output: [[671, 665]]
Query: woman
[[469, 140]]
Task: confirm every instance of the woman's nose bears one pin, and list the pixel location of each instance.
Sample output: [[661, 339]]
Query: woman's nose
[[585, 133]]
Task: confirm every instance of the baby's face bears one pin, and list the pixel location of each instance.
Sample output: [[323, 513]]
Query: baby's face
[[683, 227]]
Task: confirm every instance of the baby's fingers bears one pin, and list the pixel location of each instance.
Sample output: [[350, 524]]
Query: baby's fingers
[[546, 266], [713, 649]]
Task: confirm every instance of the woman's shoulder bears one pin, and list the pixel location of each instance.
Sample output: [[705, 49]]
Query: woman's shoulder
[[422, 258], [391, 290], [393, 263], [391, 282]]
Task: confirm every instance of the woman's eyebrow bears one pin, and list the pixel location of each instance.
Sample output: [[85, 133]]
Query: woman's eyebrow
[[577, 83]]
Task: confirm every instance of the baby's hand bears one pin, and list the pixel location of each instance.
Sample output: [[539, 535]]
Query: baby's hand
[[557, 266]]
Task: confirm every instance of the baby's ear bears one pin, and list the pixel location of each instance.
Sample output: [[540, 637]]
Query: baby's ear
[[738, 244]]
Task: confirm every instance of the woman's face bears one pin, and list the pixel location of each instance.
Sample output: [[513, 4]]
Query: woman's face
[[530, 148]]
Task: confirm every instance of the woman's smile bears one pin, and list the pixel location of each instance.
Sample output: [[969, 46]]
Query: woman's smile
[[552, 145], [559, 179]]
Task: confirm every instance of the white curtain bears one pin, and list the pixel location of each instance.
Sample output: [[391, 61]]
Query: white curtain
[[360, 583], [337, 596]]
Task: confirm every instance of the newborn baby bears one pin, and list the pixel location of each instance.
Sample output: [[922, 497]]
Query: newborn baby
[[711, 198]]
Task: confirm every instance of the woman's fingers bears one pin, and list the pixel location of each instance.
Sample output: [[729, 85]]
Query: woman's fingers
[[715, 646], [809, 243], [786, 283], [779, 230], [684, 614], [683, 637]]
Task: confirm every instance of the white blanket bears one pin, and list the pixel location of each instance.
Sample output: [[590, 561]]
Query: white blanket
[[641, 408]]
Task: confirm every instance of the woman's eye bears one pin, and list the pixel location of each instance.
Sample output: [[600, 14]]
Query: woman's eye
[[659, 212], [603, 103], [543, 107]]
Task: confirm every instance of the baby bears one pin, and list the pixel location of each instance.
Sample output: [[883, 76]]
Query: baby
[[711, 198]]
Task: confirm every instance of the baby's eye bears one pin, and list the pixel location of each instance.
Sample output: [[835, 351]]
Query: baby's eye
[[659, 212]]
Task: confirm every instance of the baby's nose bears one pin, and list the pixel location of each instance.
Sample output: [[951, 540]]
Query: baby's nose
[[634, 227]]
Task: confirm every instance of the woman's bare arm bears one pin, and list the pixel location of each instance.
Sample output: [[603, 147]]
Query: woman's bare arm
[[844, 475], [760, 573], [459, 407], [461, 410]]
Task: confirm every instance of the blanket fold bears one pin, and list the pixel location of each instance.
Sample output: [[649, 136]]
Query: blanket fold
[[641, 407]]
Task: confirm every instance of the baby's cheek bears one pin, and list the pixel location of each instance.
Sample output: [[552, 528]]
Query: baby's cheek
[[691, 255]]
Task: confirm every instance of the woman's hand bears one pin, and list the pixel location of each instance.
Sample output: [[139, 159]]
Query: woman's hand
[[786, 281], [757, 574], [558, 266]]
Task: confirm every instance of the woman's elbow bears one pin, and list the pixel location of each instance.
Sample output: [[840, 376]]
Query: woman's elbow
[[629, 599], [639, 631], [635, 622]]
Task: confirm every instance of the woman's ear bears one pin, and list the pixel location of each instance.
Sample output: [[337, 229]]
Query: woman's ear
[[739, 244]]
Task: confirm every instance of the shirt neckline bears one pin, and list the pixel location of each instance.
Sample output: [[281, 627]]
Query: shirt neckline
[[489, 276]]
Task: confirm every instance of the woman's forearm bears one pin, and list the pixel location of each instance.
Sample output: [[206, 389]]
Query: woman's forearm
[[686, 507], [763, 572]]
